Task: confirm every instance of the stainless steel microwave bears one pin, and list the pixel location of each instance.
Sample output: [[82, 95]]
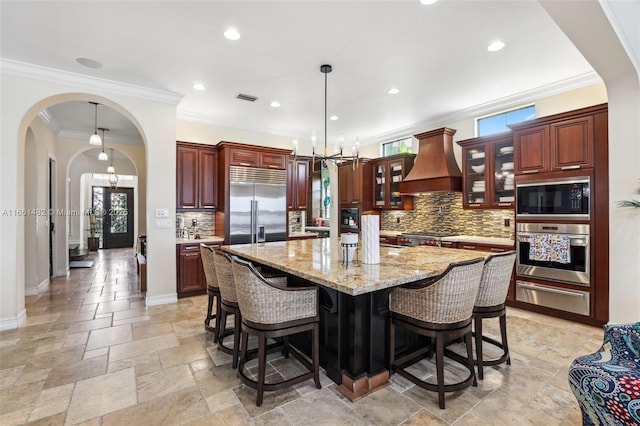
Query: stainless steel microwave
[[561, 198]]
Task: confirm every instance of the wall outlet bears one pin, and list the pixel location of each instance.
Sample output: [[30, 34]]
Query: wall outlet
[[507, 223], [298, 219], [397, 220]]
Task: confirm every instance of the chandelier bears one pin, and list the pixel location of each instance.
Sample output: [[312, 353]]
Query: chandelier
[[338, 156], [95, 138]]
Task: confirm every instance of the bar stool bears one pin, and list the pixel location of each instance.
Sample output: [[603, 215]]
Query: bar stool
[[229, 305], [490, 303], [206, 253], [441, 309], [269, 310]]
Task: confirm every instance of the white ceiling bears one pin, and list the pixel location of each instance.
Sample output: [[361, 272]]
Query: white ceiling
[[436, 55]]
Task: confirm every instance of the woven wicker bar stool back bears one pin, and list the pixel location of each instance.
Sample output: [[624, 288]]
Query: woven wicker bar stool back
[[441, 310], [272, 311], [206, 253], [490, 303]]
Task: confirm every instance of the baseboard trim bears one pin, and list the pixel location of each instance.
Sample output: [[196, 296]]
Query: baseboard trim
[[162, 299], [15, 322]]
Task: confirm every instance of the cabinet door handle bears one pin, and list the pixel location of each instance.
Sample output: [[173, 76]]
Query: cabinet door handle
[[504, 204], [474, 205], [273, 166], [192, 254], [245, 164], [577, 166], [497, 250], [354, 202], [530, 171], [191, 248], [469, 247]]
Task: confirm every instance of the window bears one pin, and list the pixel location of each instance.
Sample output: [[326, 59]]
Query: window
[[399, 146], [497, 123]]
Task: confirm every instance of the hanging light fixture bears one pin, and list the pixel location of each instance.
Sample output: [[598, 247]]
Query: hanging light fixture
[[111, 169], [338, 156], [103, 155], [95, 137], [113, 177]]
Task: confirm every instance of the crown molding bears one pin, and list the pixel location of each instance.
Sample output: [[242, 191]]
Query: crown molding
[[87, 83], [505, 103], [621, 16], [197, 117]]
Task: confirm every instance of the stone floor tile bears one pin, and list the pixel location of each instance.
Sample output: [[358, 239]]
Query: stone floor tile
[[101, 395], [52, 401], [222, 400], [232, 416], [323, 407], [139, 347], [109, 336], [73, 372], [163, 382], [274, 417]]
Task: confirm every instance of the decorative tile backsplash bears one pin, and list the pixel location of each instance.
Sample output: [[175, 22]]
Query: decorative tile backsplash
[[295, 221], [206, 223], [443, 212]]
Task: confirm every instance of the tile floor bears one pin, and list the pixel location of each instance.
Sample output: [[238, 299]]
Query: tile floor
[[92, 353]]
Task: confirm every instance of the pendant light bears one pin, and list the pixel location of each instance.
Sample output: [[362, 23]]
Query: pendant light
[[95, 137], [111, 169], [113, 177], [103, 155]]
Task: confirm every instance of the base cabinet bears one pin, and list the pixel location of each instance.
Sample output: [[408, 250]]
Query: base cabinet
[[191, 278]]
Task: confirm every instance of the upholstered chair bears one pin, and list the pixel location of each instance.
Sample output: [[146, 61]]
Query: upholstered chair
[[607, 383], [272, 311], [440, 309], [206, 253], [229, 305], [490, 303]]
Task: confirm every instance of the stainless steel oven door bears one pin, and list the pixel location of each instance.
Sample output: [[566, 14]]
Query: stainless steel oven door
[[577, 271]]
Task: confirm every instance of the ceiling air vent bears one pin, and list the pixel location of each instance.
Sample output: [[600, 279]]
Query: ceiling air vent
[[246, 97]]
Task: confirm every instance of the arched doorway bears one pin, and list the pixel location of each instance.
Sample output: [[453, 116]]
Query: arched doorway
[[60, 132]]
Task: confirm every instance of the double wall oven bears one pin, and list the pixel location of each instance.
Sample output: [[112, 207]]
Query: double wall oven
[[553, 243]]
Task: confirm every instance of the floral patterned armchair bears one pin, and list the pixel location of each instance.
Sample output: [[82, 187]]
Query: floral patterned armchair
[[607, 383]]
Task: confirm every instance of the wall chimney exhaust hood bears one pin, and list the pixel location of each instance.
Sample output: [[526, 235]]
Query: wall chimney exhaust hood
[[435, 168]]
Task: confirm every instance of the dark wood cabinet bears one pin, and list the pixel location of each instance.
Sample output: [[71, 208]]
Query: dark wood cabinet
[[196, 170], [388, 173], [298, 184], [354, 184], [191, 278], [572, 144], [554, 144], [488, 172], [388, 239], [254, 157]]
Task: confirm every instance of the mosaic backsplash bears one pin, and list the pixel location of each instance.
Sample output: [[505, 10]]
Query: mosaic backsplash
[[206, 224], [443, 212], [295, 221]]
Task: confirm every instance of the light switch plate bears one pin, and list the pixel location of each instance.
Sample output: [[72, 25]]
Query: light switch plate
[[162, 212], [163, 223]]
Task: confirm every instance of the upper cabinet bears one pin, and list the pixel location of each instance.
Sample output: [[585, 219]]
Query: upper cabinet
[[488, 171], [196, 168], [298, 184], [256, 158], [388, 172], [557, 143], [354, 184]]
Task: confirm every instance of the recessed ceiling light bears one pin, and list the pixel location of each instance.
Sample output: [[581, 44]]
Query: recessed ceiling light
[[334, 117], [232, 34], [495, 46], [89, 63], [393, 91], [198, 86], [275, 104], [428, 2]]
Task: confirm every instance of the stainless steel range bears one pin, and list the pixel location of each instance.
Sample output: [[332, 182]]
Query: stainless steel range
[[422, 238]]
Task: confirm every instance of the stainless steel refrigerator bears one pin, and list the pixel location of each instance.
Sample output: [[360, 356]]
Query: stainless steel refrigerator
[[257, 205]]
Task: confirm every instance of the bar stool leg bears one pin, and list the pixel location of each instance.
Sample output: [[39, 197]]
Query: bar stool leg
[[503, 333], [467, 340], [440, 369], [262, 366], [478, 330], [316, 355], [236, 339]]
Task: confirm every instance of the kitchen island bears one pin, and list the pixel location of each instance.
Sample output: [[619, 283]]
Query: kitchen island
[[353, 300]]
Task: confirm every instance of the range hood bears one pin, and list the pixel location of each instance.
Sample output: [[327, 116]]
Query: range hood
[[435, 168]]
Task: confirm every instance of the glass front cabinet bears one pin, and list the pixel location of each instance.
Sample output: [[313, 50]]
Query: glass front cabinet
[[388, 172], [488, 177]]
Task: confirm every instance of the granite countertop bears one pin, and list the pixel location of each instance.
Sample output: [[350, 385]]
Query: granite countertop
[[302, 234], [480, 240], [318, 260], [205, 240], [384, 233]]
